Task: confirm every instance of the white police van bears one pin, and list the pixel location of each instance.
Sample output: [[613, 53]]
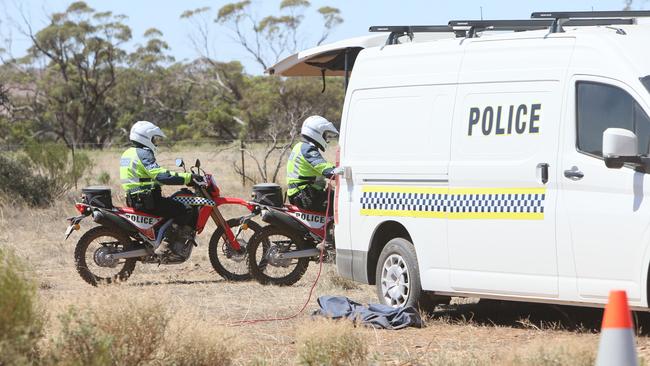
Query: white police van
[[477, 164]]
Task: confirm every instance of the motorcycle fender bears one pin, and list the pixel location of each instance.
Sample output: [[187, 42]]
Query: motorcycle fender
[[74, 225]]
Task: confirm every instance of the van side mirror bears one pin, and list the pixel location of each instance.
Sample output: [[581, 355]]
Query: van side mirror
[[620, 146], [180, 163]]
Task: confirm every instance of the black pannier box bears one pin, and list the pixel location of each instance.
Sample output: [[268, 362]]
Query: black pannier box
[[98, 196], [269, 194]]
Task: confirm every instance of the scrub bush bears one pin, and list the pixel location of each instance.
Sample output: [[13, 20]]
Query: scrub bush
[[19, 182], [200, 347], [21, 319], [116, 333], [104, 178], [56, 163], [43, 173], [328, 342]]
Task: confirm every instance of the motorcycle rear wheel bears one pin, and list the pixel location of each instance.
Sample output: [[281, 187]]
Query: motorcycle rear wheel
[[231, 265], [264, 271], [122, 269]]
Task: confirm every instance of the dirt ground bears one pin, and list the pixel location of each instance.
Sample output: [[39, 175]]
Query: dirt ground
[[466, 332]]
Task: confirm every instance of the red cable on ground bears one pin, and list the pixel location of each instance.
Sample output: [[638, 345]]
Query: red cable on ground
[[313, 286]]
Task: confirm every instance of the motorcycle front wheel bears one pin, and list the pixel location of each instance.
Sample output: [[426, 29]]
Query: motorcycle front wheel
[[263, 264], [91, 256], [229, 263]]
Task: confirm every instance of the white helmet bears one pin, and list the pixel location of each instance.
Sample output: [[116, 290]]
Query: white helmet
[[145, 132], [318, 129]]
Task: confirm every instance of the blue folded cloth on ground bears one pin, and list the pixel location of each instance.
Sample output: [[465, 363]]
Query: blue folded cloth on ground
[[374, 315]]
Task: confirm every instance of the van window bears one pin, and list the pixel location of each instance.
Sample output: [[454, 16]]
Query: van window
[[601, 106]]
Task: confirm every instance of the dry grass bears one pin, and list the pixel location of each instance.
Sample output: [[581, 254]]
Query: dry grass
[[328, 342], [21, 317], [119, 330], [198, 304]]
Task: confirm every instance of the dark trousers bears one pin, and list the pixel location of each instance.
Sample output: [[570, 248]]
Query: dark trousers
[[313, 200], [165, 207]]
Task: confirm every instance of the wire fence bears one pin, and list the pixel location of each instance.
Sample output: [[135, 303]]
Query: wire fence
[[250, 155], [176, 144]]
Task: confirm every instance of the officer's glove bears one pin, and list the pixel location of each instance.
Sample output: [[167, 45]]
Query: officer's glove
[[197, 180], [338, 171]]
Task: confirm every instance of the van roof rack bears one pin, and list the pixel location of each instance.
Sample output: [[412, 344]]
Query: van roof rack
[[554, 20], [518, 25], [561, 18], [590, 14], [397, 31]]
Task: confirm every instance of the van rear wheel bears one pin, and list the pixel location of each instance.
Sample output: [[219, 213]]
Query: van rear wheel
[[398, 277]]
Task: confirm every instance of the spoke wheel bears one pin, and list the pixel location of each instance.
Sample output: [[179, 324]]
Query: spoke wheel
[[264, 262], [92, 256], [227, 262]]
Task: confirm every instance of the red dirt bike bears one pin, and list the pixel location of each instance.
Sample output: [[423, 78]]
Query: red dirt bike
[[110, 251], [280, 253]]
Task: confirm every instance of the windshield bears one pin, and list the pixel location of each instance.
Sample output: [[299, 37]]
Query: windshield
[[646, 82]]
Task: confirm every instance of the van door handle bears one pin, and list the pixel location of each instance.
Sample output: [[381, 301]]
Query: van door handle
[[543, 172], [574, 174]]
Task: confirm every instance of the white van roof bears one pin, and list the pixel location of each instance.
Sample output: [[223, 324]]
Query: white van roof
[[330, 59]]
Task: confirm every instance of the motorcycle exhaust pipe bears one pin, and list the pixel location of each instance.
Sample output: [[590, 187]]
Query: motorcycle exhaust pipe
[[306, 253], [129, 254]]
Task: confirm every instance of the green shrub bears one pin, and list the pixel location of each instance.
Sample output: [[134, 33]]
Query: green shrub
[[330, 342], [56, 163], [120, 333], [21, 319], [80, 342], [104, 178], [42, 174], [18, 181]]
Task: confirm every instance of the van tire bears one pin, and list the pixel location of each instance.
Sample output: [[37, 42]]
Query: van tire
[[403, 267]]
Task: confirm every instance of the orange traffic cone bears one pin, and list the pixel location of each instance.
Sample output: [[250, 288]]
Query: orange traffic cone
[[617, 346]]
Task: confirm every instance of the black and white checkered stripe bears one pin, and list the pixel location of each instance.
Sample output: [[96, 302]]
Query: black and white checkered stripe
[[194, 201], [496, 203], [393, 201], [454, 202]]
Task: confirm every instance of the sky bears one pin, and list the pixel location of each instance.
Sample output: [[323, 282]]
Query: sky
[[358, 16]]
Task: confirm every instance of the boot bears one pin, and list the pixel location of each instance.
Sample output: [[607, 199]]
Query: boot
[[162, 248]]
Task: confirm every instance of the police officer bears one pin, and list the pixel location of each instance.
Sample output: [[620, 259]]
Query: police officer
[[307, 169], [142, 177]]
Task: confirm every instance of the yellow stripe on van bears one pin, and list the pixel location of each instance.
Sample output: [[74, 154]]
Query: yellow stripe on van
[[404, 213], [454, 203], [397, 189]]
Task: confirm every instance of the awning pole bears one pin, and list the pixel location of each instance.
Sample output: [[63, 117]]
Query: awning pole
[[347, 72]]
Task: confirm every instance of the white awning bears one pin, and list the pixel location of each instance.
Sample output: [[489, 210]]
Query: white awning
[[329, 57]]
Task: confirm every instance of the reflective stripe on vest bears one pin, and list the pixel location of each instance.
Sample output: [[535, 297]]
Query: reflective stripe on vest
[[300, 173], [133, 174]]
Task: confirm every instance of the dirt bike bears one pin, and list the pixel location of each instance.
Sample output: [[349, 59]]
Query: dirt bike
[[109, 252], [280, 253]]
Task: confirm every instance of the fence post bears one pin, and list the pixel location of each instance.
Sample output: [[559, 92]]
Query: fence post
[[74, 167], [243, 166]]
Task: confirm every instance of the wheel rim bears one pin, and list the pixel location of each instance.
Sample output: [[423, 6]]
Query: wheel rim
[[234, 261], [97, 260], [395, 281], [271, 267]]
